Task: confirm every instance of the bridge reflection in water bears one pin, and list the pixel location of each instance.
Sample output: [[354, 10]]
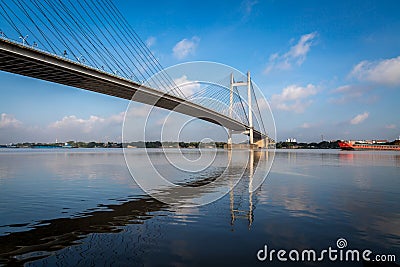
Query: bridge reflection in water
[[54, 235], [242, 208]]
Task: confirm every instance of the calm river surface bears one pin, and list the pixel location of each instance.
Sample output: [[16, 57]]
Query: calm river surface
[[80, 207]]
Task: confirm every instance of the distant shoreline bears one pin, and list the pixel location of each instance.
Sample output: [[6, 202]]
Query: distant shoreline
[[170, 144]]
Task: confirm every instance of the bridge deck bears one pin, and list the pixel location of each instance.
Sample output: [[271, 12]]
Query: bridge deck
[[27, 61]]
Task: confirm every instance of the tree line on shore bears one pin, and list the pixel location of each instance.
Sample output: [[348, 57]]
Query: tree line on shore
[[158, 144], [137, 144], [312, 145]]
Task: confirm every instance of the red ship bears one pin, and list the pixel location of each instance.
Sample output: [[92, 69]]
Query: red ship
[[351, 145]]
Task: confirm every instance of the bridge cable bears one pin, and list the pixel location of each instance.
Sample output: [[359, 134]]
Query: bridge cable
[[111, 43], [67, 28], [87, 36], [59, 36], [94, 35], [8, 18], [73, 34], [149, 54], [146, 62], [126, 37], [37, 27], [258, 108], [112, 37], [138, 42], [241, 103], [211, 95], [122, 39], [220, 83]]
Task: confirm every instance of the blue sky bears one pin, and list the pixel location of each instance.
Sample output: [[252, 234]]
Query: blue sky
[[330, 69]]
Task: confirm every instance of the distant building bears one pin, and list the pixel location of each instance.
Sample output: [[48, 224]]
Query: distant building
[[291, 140]]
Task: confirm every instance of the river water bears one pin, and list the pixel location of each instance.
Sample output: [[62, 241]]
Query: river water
[[81, 207]]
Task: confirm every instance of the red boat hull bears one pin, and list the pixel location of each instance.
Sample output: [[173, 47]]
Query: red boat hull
[[351, 146]]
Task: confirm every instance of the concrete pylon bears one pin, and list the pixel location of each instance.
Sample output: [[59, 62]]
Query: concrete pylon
[[250, 111], [230, 132], [249, 101]]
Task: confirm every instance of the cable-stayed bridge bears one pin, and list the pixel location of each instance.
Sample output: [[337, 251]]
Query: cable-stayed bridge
[[88, 44]]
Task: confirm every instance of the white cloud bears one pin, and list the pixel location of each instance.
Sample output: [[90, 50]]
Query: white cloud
[[74, 122], [386, 72], [95, 127], [359, 118], [151, 41], [186, 86], [9, 121], [87, 125], [294, 98], [301, 49], [296, 55], [186, 47], [350, 93], [293, 92], [391, 126], [116, 118], [297, 106], [343, 89]]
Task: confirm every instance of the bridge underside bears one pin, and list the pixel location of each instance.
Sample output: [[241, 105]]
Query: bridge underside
[[23, 60]]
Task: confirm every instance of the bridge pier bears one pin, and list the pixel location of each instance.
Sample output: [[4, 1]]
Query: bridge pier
[[262, 143], [259, 144]]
